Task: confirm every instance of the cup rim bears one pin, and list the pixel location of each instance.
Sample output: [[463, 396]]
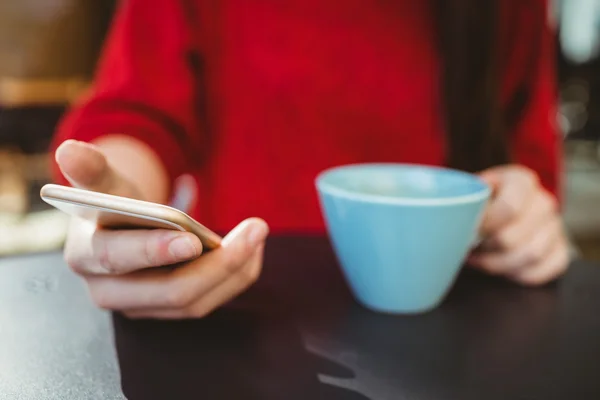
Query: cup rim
[[400, 201]]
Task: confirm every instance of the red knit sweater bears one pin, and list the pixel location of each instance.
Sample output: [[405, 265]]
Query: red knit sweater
[[284, 89]]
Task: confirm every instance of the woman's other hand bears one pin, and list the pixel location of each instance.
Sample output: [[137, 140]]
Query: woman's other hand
[[523, 231]]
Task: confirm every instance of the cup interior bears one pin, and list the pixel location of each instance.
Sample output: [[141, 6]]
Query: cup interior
[[402, 184]]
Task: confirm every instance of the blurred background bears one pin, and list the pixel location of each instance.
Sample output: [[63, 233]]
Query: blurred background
[[48, 51], [49, 48]]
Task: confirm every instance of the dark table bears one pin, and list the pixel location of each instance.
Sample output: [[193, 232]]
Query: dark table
[[298, 334]]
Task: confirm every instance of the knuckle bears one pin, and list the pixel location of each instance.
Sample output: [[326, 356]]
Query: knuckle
[[250, 274], [101, 298], [547, 272], [74, 261], [511, 209], [233, 262], [106, 260], [535, 254], [78, 253], [73, 256], [504, 240], [504, 209]]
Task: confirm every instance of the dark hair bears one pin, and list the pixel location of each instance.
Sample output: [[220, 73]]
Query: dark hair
[[477, 124]]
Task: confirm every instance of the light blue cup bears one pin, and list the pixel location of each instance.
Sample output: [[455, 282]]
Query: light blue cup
[[401, 232]]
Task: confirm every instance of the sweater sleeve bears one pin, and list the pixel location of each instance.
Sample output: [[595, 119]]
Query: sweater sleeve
[[144, 86], [536, 140]]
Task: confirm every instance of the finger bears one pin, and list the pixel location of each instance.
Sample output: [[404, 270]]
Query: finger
[[182, 286], [519, 230], [91, 251], [528, 253], [220, 295], [513, 187], [85, 166], [550, 268]]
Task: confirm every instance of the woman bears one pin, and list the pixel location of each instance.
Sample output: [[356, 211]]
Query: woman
[[254, 98]]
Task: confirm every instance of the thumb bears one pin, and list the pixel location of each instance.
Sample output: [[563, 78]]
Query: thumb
[[238, 247], [251, 232], [86, 167], [494, 178]]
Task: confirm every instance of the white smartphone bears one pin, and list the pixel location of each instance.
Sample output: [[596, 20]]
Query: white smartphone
[[116, 212]]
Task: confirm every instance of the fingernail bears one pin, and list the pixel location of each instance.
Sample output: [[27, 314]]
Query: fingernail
[[66, 149], [258, 233], [182, 248], [63, 150]]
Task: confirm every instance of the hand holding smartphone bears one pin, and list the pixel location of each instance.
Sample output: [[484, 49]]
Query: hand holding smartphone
[[116, 212], [122, 267]]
